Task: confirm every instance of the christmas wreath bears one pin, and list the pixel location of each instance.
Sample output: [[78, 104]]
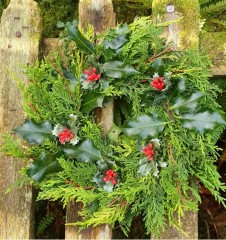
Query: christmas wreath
[[161, 147]]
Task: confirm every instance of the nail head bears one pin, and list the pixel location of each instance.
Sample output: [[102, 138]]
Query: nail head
[[170, 8], [18, 34]]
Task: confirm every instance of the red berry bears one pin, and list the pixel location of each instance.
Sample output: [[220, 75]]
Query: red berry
[[158, 83], [110, 176], [65, 136], [148, 151]]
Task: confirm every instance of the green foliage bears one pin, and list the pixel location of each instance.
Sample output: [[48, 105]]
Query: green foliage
[[47, 80], [3, 5], [43, 165], [85, 152], [213, 12], [144, 127], [35, 133], [12, 147], [44, 223], [160, 93], [75, 35], [52, 11], [92, 100]]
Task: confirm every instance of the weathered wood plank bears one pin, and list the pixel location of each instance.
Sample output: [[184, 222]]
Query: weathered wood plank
[[100, 14], [183, 34], [214, 44], [19, 40]]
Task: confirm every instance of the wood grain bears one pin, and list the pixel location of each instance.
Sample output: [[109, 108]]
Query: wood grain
[[19, 40]]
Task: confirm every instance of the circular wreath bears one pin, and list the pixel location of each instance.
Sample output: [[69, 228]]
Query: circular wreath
[[161, 147]]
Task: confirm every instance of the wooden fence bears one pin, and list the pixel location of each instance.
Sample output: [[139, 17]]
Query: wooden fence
[[20, 32]]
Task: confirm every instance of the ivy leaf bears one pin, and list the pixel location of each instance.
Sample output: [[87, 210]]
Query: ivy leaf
[[75, 35], [144, 127], [85, 152], [91, 100], [117, 69], [202, 121], [44, 165], [35, 133], [186, 103], [72, 81]]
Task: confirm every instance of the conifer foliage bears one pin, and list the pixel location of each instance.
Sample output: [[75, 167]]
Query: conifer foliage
[[161, 147]]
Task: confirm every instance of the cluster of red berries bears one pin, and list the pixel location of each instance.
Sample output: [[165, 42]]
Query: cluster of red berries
[[158, 83], [92, 75], [110, 176], [65, 136], [149, 152]]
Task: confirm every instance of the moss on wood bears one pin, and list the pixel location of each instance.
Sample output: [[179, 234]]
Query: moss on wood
[[126, 14], [55, 10], [214, 44], [189, 24]]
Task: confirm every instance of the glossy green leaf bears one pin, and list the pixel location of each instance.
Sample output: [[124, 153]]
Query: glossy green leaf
[[35, 133], [71, 80], [117, 69], [91, 100], [85, 152], [177, 87], [157, 66], [185, 103], [144, 127], [42, 166], [75, 35], [202, 121], [115, 43], [118, 37], [145, 168]]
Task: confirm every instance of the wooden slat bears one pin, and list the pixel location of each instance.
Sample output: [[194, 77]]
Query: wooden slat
[[19, 40], [183, 34], [100, 14]]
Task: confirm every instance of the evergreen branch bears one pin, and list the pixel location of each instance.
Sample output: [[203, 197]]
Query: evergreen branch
[[213, 7]]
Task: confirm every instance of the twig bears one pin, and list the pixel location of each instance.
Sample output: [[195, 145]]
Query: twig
[[77, 185], [113, 202], [159, 54]]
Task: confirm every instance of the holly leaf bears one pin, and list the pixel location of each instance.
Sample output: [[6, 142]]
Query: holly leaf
[[75, 35], [91, 100], [145, 168], [119, 37], [86, 151], [144, 127], [187, 103], [42, 166], [35, 133], [108, 187], [202, 121], [177, 87], [117, 69], [157, 66], [71, 80]]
